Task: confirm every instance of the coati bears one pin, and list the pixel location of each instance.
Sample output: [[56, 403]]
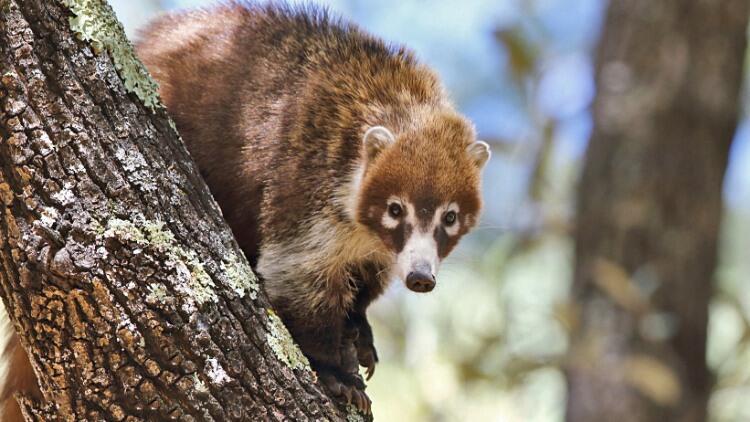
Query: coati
[[336, 159]]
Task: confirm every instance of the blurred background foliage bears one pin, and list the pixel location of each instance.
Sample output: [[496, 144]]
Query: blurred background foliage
[[488, 343]]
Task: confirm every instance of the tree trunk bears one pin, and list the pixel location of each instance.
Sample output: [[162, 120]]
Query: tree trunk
[[125, 285], [669, 75]]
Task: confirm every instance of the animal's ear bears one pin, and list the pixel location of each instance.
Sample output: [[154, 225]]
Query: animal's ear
[[479, 152], [375, 140]]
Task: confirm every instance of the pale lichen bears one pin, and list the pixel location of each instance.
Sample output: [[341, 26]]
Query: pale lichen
[[353, 414], [123, 230], [48, 216], [173, 126], [157, 293], [215, 372], [65, 196], [158, 235], [200, 386], [192, 280], [282, 344], [240, 278], [134, 163], [95, 22], [201, 286]]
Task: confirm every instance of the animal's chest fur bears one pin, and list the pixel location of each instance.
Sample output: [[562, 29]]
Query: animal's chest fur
[[325, 269]]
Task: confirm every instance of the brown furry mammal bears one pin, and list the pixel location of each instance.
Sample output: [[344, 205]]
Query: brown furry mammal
[[336, 159]]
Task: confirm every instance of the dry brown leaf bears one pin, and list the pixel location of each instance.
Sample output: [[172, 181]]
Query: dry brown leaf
[[612, 279], [653, 379]]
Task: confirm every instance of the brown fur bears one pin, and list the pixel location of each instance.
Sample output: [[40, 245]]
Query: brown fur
[[18, 373], [273, 103]]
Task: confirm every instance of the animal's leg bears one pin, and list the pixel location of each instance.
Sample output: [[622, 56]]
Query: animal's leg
[[328, 341]]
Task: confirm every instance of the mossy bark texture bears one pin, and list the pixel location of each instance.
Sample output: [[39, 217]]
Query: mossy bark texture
[[119, 273], [669, 74]]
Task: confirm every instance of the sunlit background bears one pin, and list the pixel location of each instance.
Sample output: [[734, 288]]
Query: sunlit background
[[488, 343]]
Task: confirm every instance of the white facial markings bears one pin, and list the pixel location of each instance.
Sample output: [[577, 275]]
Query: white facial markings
[[419, 250], [421, 247], [388, 221], [411, 214], [453, 229]]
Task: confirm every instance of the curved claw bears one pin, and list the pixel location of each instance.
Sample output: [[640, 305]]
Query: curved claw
[[368, 358], [370, 370], [362, 401], [349, 389]]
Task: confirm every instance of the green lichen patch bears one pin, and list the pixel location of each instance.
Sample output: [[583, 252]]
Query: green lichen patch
[[95, 22], [157, 293], [173, 126], [282, 344], [240, 278], [201, 286], [353, 414], [123, 230], [191, 280], [158, 235]]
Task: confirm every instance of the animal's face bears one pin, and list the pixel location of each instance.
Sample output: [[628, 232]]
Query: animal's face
[[421, 193]]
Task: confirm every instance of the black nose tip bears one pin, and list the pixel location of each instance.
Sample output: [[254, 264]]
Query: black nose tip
[[420, 282]]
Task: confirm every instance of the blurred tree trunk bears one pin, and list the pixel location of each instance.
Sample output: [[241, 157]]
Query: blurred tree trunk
[[120, 276], [668, 75]]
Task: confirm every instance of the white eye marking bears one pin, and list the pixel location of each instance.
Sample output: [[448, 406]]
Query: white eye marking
[[453, 229], [411, 214], [388, 221], [438, 218]]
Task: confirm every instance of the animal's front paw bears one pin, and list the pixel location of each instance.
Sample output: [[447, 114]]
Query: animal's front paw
[[349, 387], [367, 356]]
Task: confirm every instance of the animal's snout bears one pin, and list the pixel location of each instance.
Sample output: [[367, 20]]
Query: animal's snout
[[420, 282]]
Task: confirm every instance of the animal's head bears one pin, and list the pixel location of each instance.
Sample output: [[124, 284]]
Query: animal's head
[[421, 192]]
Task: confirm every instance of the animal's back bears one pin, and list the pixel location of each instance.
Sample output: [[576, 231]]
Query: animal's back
[[277, 96], [202, 65]]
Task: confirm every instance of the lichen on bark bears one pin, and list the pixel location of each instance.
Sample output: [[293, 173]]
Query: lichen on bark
[[191, 280], [95, 22], [240, 278], [283, 345], [354, 415]]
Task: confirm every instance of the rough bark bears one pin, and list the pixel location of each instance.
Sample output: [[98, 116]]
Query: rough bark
[[669, 75], [123, 281]]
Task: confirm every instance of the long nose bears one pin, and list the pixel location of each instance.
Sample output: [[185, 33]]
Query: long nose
[[421, 279]]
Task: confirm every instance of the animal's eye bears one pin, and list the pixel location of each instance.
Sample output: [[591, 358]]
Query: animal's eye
[[395, 210], [449, 218]]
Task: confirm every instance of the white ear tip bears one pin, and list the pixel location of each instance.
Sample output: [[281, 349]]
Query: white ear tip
[[480, 152], [486, 147], [380, 133]]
